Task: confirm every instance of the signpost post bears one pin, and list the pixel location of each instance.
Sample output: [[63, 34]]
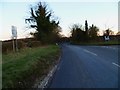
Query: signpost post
[[14, 36]]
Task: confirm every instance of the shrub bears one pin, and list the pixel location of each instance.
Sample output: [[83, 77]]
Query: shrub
[[34, 43], [7, 46]]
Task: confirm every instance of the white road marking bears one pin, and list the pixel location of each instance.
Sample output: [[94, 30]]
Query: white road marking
[[90, 52], [45, 81], [109, 47], [58, 68], [116, 64]]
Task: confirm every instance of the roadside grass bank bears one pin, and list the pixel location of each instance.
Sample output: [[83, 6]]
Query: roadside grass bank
[[105, 43], [22, 69]]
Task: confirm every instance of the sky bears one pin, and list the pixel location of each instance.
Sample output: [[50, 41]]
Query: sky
[[103, 14]]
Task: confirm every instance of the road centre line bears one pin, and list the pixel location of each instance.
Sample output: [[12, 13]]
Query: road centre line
[[115, 64], [90, 52]]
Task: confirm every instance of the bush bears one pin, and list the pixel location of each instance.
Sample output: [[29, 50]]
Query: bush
[[33, 44], [7, 46]]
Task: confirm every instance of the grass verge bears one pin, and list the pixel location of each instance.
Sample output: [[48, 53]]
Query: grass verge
[[97, 43], [21, 69]]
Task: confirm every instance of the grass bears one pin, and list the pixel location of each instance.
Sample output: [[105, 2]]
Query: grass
[[98, 43], [21, 69]]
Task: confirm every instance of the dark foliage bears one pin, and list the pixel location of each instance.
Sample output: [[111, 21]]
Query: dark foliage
[[78, 34], [47, 28]]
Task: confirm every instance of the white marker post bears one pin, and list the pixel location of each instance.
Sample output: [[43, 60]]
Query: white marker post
[[14, 35]]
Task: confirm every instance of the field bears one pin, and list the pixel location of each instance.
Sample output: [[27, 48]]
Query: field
[[22, 69]]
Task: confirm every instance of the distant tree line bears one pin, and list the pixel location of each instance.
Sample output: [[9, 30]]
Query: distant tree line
[[79, 34], [48, 29], [90, 33]]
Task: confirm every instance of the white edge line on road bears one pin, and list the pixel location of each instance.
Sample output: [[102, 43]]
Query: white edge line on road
[[115, 64], [44, 83], [58, 68], [90, 52]]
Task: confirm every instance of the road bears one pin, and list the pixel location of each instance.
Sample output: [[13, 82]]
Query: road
[[87, 67]]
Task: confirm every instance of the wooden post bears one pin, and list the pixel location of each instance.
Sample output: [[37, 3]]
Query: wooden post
[[13, 45], [16, 45]]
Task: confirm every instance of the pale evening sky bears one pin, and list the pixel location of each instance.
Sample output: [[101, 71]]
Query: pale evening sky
[[13, 12]]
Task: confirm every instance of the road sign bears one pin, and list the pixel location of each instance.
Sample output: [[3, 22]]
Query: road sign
[[14, 31], [106, 38], [14, 36]]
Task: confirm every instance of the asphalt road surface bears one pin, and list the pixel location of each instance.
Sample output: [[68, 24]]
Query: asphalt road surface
[[87, 67]]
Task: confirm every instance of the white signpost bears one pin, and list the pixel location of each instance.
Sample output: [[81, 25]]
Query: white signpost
[[14, 31], [14, 36], [106, 38]]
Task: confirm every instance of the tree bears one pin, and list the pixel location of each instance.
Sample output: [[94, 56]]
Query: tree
[[86, 26], [77, 33], [86, 30], [93, 32], [118, 33], [42, 20], [108, 32]]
